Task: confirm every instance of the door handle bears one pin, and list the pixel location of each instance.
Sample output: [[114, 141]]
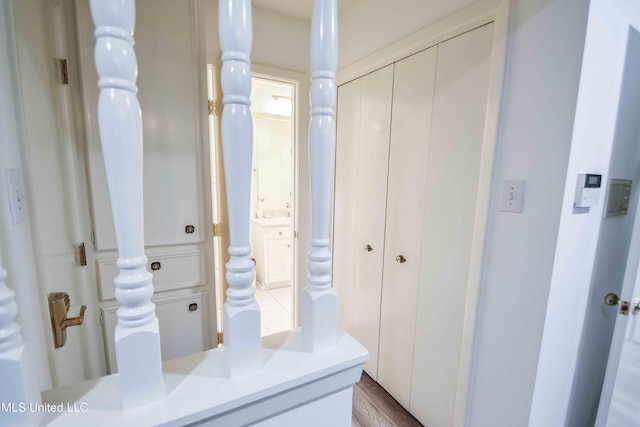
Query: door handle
[[59, 304], [401, 259], [612, 300]]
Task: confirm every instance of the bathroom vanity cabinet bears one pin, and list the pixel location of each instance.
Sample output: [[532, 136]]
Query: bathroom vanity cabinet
[[272, 249]]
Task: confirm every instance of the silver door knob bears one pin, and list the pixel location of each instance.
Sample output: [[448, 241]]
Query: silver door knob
[[401, 259], [368, 248], [611, 299]]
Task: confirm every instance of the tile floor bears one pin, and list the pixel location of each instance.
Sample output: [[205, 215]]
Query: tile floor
[[275, 309]]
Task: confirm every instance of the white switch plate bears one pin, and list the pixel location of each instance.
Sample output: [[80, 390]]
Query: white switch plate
[[512, 196], [17, 196]]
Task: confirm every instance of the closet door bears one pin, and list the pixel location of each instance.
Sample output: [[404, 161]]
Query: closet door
[[345, 193], [368, 163], [408, 172], [454, 159], [172, 96]]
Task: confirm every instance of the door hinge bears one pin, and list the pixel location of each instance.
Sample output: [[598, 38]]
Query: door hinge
[[82, 255], [62, 71], [216, 230], [93, 237], [211, 107], [296, 234], [220, 338], [101, 318]]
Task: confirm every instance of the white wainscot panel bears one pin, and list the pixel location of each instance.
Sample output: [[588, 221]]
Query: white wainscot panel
[[171, 269], [183, 328]]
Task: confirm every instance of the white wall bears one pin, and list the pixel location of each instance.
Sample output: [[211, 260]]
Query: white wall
[[543, 68], [278, 41], [373, 24], [591, 150], [15, 239]]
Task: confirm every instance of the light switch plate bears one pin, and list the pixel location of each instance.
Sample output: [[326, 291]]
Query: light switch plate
[[17, 196], [512, 196]]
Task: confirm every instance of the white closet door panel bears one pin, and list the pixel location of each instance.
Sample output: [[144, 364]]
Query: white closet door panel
[[373, 154], [454, 158], [183, 326], [345, 192], [172, 101], [410, 133], [171, 98]]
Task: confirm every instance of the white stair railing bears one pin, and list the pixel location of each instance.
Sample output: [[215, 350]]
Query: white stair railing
[[319, 300], [137, 337], [295, 386], [241, 311], [19, 393]]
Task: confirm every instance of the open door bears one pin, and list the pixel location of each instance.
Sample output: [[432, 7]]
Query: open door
[[620, 397], [219, 195], [621, 391]]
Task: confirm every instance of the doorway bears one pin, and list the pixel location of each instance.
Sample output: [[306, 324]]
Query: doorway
[[273, 207]]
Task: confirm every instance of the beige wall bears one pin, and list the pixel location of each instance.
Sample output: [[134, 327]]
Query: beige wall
[[278, 41]]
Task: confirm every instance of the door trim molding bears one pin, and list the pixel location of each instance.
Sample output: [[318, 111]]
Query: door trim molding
[[485, 179], [301, 208]]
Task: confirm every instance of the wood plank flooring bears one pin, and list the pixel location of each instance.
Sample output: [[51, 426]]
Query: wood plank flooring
[[374, 407]]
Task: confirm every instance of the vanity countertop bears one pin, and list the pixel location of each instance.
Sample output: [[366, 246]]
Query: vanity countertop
[[278, 221]]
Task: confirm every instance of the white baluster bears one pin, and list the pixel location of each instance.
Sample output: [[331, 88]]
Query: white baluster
[[241, 311], [319, 301], [19, 386], [137, 338]]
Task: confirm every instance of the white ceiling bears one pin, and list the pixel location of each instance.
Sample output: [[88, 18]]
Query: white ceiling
[[300, 9]]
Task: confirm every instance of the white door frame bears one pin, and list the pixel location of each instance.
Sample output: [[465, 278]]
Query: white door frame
[[85, 359], [294, 79], [301, 207], [75, 150]]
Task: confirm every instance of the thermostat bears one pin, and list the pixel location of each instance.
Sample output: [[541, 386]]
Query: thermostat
[[587, 190]]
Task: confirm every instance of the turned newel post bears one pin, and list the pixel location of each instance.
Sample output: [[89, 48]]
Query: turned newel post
[[19, 386], [241, 311], [137, 338], [319, 301]]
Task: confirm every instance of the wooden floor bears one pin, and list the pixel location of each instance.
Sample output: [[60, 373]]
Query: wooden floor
[[374, 407]]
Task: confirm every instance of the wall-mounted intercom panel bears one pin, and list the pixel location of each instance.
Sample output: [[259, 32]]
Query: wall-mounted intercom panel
[[618, 197], [587, 190]]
